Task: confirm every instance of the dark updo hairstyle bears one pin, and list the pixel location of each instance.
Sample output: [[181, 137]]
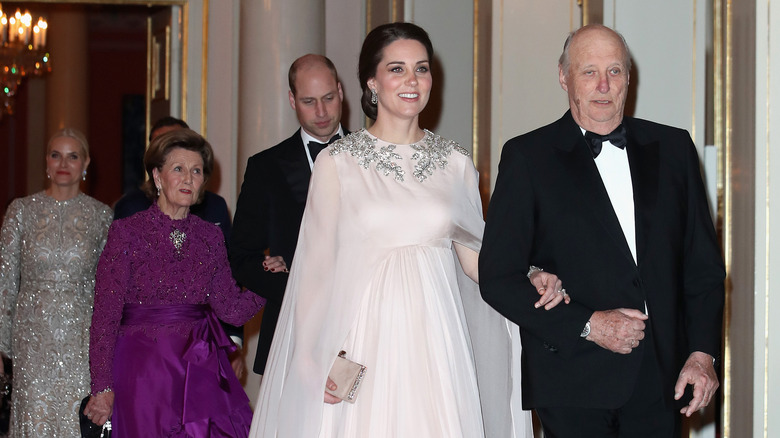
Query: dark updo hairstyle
[[157, 154], [371, 54]]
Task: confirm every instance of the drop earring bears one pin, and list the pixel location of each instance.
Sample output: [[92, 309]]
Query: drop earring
[[374, 98], [84, 175], [158, 191]]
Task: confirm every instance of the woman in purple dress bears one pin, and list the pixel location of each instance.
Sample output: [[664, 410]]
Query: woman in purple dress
[[158, 355]]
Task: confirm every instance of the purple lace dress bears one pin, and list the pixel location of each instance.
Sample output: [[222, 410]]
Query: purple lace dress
[[155, 339]]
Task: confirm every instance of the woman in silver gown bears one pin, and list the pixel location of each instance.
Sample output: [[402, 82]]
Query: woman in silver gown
[[49, 247]]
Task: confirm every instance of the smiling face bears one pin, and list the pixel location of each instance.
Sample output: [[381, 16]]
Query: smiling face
[[403, 80], [596, 80], [66, 161], [317, 100], [179, 180]]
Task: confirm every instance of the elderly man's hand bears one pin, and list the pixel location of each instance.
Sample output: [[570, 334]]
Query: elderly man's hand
[[698, 371], [617, 330]]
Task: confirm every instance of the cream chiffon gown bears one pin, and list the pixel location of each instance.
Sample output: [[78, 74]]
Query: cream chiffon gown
[[376, 275]]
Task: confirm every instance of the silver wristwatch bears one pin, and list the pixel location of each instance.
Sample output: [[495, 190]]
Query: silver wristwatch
[[586, 330]]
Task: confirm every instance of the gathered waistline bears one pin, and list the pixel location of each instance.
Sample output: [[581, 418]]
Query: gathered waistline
[[143, 314]]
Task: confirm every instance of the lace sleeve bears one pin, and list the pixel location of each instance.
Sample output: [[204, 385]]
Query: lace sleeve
[[111, 283], [10, 261], [231, 304]]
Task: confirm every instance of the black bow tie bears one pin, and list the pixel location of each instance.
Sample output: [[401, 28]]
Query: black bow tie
[[316, 147], [616, 137]]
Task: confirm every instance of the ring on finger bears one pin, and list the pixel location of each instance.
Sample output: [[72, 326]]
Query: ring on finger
[[563, 292]]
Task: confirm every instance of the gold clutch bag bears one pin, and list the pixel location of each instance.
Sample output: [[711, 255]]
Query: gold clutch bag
[[347, 375]]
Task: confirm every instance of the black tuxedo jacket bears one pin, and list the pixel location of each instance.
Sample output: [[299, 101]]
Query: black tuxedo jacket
[[267, 219], [550, 209]]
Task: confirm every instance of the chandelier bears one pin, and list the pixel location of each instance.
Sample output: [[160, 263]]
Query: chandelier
[[22, 53]]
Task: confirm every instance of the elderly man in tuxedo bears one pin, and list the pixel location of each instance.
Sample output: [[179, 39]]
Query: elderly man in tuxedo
[[276, 183], [616, 207]]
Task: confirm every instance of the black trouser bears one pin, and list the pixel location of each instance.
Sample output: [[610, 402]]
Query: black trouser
[[645, 414]]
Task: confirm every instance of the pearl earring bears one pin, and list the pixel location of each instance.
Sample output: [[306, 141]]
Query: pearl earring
[[84, 175]]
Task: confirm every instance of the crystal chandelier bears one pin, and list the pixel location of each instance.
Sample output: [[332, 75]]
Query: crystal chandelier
[[22, 53]]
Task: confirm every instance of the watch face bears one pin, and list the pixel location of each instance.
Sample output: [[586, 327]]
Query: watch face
[[586, 330]]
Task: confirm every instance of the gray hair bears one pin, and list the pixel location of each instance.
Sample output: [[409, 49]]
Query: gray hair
[[564, 61]]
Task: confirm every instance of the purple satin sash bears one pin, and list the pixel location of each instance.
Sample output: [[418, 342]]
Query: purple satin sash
[[147, 314], [201, 350]]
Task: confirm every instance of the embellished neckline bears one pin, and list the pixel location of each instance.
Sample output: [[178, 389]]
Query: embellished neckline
[[63, 202], [431, 153], [175, 229], [158, 213]]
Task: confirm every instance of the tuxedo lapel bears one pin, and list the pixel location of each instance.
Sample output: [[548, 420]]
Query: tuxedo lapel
[[588, 189], [295, 167], [644, 162]]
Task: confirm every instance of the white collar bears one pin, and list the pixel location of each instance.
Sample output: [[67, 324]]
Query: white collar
[[306, 137]]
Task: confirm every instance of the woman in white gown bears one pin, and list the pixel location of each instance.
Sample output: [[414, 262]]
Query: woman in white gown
[[391, 211]]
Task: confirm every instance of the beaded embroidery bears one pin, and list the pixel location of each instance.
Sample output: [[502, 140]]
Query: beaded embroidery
[[431, 153], [363, 147]]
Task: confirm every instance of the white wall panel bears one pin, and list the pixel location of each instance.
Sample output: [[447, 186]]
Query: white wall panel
[[450, 25], [668, 47], [528, 37]]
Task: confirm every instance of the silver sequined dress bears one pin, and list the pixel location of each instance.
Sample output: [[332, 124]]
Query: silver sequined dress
[[48, 253]]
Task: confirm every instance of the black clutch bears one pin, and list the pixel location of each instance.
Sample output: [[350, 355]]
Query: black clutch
[[90, 429]]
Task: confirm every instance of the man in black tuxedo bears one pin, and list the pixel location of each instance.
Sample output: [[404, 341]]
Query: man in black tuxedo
[[276, 182], [624, 221]]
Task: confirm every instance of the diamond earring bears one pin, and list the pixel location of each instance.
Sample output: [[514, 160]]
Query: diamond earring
[[374, 98]]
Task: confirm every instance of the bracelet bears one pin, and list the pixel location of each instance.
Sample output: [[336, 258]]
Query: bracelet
[[533, 269]]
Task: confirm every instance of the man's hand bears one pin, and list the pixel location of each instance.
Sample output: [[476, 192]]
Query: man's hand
[[330, 398], [617, 330], [698, 371]]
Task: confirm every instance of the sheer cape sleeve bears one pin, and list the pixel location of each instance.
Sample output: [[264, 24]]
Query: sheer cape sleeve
[[313, 318], [495, 341]]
